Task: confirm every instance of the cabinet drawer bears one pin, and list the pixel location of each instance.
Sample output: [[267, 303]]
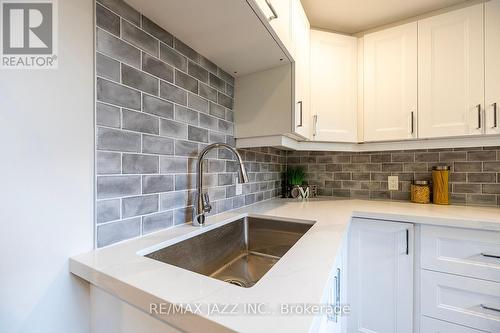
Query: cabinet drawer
[[474, 253], [465, 301], [431, 325]]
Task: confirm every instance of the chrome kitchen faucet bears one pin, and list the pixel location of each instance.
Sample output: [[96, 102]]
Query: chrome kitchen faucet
[[202, 199]]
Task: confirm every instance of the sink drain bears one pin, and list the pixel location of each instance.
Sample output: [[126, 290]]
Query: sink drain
[[237, 282]]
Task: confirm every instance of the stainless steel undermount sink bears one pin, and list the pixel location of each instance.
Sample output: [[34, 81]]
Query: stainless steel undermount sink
[[240, 252]]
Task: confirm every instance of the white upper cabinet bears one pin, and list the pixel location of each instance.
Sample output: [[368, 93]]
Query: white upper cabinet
[[276, 101], [492, 66], [302, 70], [203, 25], [333, 87], [279, 15], [390, 83], [451, 73]]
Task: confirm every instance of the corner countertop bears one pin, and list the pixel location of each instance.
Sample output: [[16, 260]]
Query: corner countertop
[[300, 277]]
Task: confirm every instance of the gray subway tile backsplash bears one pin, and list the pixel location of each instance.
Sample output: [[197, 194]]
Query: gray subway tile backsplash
[[139, 38], [117, 140], [114, 93], [157, 145], [158, 32], [140, 164], [118, 186], [117, 49], [108, 163], [107, 115], [173, 129], [157, 184], [172, 200], [186, 81], [217, 82], [139, 80], [186, 115], [197, 71], [197, 103], [123, 9], [173, 164], [140, 122], [153, 117], [157, 107], [172, 57], [158, 68], [473, 177], [107, 68], [113, 232], [172, 93], [186, 50], [157, 221], [217, 110], [208, 92], [140, 205], [108, 210], [107, 20]]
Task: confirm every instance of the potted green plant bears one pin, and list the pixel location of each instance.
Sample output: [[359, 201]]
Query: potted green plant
[[294, 179], [295, 175]]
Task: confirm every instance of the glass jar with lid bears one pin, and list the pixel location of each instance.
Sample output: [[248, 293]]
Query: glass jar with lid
[[420, 192], [440, 175]]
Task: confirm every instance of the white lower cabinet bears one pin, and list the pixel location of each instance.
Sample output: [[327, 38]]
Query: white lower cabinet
[[380, 275], [466, 252], [109, 314], [460, 279], [461, 300], [334, 297], [431, 325]]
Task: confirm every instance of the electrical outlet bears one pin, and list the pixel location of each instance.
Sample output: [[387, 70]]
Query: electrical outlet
[[393, 183], [239, 188]]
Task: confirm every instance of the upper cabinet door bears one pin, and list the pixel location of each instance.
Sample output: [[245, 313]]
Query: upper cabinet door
[[301, 28], [390, 83], [334, 86], [492, 65], [451, 73], [279, 15]]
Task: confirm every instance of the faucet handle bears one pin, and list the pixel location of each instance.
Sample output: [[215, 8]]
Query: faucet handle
[[206, 203]]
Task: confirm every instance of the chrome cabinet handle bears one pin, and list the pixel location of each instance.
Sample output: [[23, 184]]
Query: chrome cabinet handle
[[300, 123], [271, 7], [495, 116], [333, 316], [487, 307], [412, 122], [478, 107], [315, 121], [490, 255], [337, 300], [407, 242]]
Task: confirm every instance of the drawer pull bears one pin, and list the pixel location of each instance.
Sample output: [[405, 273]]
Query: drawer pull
[[490, 255], [489, 307]]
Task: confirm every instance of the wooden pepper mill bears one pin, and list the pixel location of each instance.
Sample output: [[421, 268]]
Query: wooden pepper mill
[[440, 175]]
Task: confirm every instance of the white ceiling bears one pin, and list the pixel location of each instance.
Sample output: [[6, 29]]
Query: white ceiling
[[352, 16]]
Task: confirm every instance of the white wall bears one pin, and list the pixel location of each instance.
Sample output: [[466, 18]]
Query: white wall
[[46, 185]]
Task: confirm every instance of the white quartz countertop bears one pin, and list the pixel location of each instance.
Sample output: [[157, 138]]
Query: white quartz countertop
[[300, 277]]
